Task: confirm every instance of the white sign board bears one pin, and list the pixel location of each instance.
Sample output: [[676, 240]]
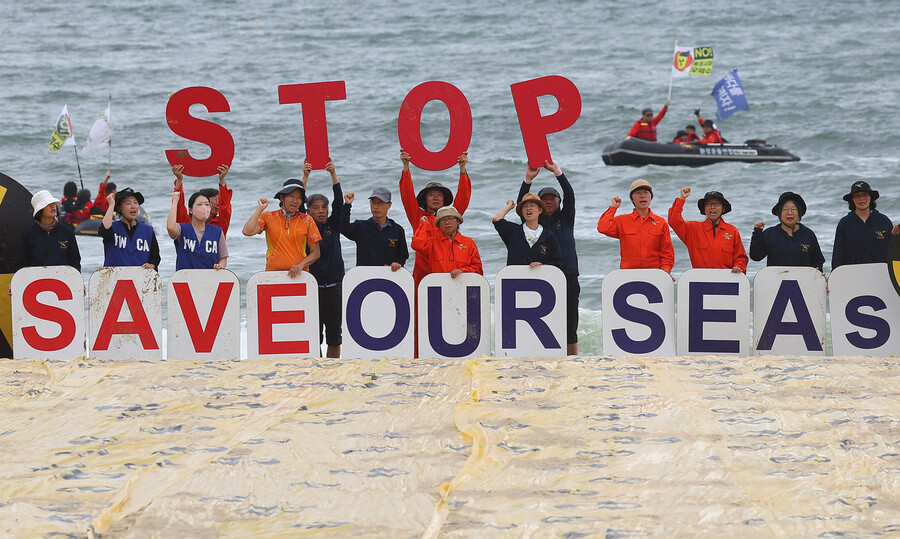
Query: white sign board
[[638, 313], [530, 312], [454, 316], [204, 315], [713, 313], [378, 313], [125, 313], [48, 313], [789, 311], [282, 315], [865, 311]]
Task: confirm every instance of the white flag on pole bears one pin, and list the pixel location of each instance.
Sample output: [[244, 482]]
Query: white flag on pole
[[101, 131], [63, 134]]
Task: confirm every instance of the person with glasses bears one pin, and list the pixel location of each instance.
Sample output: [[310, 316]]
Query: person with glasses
[[789, 243], [645, 128], [711, 243]]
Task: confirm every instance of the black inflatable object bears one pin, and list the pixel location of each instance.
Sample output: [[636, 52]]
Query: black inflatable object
[[637, 152], [92, 225], [15, 216]]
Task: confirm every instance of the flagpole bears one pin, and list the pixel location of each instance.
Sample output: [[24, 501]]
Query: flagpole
[[78, 164], [671, 76]]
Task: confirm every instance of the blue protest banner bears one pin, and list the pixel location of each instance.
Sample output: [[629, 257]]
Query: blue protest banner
[[729, 95]]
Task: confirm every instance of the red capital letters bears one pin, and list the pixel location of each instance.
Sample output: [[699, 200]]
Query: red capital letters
[[409, 125], [202, 339], [312, 97], [268, 318], [215, 136], [125, 292], [535, 127], [48, 312]]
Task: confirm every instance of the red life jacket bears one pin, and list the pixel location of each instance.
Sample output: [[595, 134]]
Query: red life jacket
[[646, 131]]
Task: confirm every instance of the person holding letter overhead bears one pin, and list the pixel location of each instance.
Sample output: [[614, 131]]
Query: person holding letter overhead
[[126, 241], [789, 243], [446, 250], [560, 219], [528, 244], [198, 244], [644, 239], [711, 243], [430, 199], [288, 230], [379, 240], [219, 199], [329, 268]]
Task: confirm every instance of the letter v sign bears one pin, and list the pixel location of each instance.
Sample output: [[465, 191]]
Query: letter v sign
[[202, 338]]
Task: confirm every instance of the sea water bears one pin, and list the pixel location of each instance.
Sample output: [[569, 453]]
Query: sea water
[[821, 79]]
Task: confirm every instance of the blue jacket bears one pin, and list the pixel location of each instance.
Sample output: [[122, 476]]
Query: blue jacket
[[191, 253], [562, 223], [123, 246], [518, 252], [780, 249], [329, 268], [861, 242], [55, 247]]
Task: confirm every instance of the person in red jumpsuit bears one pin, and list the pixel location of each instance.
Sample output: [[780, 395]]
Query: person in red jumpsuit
[[711, 243], [645, 128], [644, 239]]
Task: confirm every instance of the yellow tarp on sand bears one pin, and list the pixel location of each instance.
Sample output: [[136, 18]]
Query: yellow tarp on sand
[[751, 447]]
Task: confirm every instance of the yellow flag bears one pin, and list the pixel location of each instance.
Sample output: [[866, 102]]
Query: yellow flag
[[63, 135]]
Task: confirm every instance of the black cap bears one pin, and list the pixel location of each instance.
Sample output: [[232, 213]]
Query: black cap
[[549, 191], [788, 195], [122, 194], [290, 185], [726, 206], [861, 187]]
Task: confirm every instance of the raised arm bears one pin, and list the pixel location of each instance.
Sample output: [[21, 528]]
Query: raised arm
[[182, 216], [506, 209], [607, 224], [108, 216], [464, 189], [530, 175], [407, 191], [171, 222], [251, 227]]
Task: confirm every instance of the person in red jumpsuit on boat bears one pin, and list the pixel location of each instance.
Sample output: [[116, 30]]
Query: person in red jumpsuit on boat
[[691, 133], [711, 135], [645, 128]]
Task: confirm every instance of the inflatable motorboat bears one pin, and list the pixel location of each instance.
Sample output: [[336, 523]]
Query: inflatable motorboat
[[89, 227], [637, 152]]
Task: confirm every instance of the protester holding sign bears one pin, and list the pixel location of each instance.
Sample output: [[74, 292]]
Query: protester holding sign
[[127, 242], [379, 240], [644, 239], [219, 200], [789, 243], [329, 268], [528, 244], [560, 219], [442, 245], [645, 128], [711, 243], [863, 235], [288, 230], [198, 244], [429, 200], [48, 242]]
